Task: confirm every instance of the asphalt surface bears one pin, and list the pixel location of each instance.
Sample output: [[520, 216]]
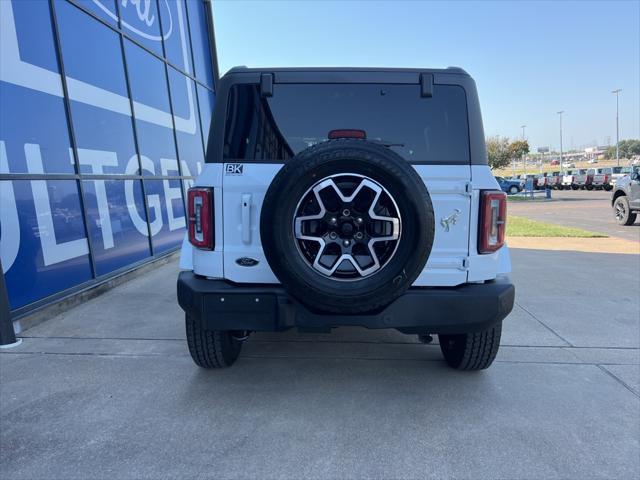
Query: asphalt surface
[[589, 210], [107, 390]]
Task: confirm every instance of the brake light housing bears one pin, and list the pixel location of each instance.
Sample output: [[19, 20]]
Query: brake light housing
[[347, 133], [200, 211], [493, 221]]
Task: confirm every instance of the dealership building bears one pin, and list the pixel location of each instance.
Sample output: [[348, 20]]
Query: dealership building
[[105, 107]]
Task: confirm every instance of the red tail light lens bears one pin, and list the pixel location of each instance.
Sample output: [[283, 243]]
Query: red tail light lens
[[200, 206], [347, 133], [493, 221]]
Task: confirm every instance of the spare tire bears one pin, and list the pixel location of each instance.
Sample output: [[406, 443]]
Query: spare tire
[[347, 225]]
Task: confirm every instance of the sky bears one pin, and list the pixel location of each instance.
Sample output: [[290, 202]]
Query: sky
[[529, 59]]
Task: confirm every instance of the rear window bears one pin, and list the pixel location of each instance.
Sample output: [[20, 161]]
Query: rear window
[[297, 116]]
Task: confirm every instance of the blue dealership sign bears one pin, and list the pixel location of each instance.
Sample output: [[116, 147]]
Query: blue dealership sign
[[122, 131]]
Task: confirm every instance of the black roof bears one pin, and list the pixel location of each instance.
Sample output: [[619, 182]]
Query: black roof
[[449, 70]]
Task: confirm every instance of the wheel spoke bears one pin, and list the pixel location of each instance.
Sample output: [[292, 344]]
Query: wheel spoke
[[347, 232]]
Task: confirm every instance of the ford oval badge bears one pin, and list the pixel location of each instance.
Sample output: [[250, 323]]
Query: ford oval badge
[[247, 262]]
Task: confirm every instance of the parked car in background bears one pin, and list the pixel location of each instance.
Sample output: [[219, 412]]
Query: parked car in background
[[509, 186], [555, 162], [568, 165], [541, 182], [592, 161], [584, 178], [568, 179], [554, 180], [619, 172], [602, 178], [625, 198]]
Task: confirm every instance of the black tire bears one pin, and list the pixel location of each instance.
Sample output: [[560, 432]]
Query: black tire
[[621, 211], [574, 187], [589, 187], [608, 188], [471, 351], [513, 190], [342, 156], [211, 348]]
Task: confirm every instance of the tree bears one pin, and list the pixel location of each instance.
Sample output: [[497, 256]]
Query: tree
[[628, 148], [518, 148], [498, 152]]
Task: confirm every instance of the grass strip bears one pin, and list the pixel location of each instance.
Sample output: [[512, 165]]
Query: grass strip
[[524, 227]]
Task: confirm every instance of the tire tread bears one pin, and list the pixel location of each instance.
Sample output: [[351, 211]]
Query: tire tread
[[208, 348]]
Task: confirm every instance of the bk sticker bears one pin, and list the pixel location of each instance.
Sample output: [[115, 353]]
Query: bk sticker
[[233, 169]]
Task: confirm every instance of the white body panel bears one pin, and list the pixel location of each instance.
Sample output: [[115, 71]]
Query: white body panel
[[454, 191]]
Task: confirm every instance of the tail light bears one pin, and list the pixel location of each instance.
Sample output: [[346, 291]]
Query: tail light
[[347, 133], [200, 206], [493, 218], [606, 179]]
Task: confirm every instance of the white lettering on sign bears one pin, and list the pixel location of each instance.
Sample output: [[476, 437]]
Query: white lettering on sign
[[143, 12], [52, 251], [143, 8], [10, 239], [171, 193], [97, 159]]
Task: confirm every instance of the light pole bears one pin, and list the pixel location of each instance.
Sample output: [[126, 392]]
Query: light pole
[[560, 113], [524, 163], [616, 92]]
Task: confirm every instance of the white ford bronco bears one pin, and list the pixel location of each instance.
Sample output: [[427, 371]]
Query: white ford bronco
[[334, 197]]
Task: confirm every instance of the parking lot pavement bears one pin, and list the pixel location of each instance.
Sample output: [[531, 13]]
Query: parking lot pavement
[[589, 210], [107, 390]]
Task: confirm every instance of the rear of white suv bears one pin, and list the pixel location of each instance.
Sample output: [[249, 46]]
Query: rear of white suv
[[338, 197]]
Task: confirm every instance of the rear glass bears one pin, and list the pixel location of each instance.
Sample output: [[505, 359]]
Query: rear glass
[[297, 116]]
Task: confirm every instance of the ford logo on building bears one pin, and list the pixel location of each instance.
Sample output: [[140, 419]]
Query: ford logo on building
[[145, 15]]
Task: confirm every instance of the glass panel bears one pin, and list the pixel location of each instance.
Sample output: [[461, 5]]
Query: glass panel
[[91, 53], [23, 111], [200, 42], [44, 248], [205, 99], [32, 21], [25, 146], [117, 223], [166, 212], [141, 21], [176, 34], [105, 9], [300, 115], [190, 149], [148, 82], [105, 141]]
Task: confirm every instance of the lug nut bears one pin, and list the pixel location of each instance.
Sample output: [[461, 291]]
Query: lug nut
[[333, 235], [346, 212], [346, 243], [359, 220], [358, 235], [333, 220]]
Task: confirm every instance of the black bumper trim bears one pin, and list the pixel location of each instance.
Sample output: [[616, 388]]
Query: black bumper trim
[[223, 305]]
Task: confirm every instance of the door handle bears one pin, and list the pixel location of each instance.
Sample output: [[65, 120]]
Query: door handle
[[246, 218]]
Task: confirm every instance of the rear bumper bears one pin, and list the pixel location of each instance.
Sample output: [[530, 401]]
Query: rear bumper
[[222, 305]]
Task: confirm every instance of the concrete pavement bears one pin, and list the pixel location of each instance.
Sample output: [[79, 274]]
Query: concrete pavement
[[107, 390]]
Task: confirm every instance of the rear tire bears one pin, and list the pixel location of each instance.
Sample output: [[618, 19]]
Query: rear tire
[[513, 190], [471, 351], [621, 210], [211, 348]]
